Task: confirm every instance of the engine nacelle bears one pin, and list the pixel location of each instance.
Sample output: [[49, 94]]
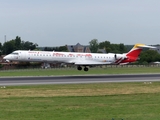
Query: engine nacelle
[[120, 56]]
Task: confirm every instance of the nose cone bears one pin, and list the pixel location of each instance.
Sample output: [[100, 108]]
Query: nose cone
[[7, 57]]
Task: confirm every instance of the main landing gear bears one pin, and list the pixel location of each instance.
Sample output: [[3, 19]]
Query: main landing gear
[[80, 68]]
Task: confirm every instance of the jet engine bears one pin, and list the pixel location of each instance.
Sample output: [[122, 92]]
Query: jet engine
[[119, 58]]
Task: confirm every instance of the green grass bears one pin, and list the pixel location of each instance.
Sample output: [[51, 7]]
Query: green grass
[[74, 71], [130, 101], [128, 107]]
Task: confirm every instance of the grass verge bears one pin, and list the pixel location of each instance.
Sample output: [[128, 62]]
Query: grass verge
[[74, 71], [127, 101]]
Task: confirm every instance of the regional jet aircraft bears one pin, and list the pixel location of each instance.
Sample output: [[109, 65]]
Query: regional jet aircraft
[[79, 59]]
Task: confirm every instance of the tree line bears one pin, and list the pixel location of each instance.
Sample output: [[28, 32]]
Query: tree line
[[16, 44], [107, 46]]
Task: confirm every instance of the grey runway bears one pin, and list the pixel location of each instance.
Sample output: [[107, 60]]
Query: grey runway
[[10, 81]]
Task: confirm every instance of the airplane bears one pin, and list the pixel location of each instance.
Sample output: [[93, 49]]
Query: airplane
[[85, 60]]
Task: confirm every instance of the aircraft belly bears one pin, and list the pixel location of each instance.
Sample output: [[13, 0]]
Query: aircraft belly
[[89, 62]]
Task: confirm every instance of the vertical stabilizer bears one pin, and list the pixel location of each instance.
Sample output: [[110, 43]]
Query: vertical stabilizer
[[134, 53]]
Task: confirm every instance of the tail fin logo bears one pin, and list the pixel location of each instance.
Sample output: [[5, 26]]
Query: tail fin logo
[[135, 51], [133, 54]]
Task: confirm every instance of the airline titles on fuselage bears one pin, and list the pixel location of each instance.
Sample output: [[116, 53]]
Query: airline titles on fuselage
[[70, 55]]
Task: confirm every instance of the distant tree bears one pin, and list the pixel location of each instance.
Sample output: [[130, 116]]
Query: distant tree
[[18, 43], [105, 45], [0, 46], [122, 48], [48, 49], [93, 45], [9, 47], [28, 45], [114, 48], [56, 49], [108, 49], [63, 48], [0, 49], [128, 47], [149, 56]]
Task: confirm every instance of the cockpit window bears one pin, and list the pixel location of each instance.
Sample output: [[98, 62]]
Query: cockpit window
[[14, 53]]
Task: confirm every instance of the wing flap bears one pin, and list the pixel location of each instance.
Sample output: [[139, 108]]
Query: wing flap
[[91, 63]]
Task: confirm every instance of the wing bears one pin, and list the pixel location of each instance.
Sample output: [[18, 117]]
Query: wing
[[89, 62]]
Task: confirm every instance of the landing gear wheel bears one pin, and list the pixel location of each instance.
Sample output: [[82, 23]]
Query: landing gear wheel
[[79, 68], [85, 69]]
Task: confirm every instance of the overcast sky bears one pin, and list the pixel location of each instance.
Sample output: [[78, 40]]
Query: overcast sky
[[61, 22]]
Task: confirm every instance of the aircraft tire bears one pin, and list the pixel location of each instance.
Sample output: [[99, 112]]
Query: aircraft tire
[[79, 68], [86, 69]]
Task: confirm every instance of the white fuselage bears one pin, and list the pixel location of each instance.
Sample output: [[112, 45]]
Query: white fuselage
[[64, 57]]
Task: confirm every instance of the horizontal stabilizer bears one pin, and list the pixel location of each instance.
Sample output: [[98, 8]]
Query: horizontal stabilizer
[[142, 46]]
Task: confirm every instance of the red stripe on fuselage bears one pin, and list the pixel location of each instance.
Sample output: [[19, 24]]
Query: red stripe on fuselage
[[118, 60]]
